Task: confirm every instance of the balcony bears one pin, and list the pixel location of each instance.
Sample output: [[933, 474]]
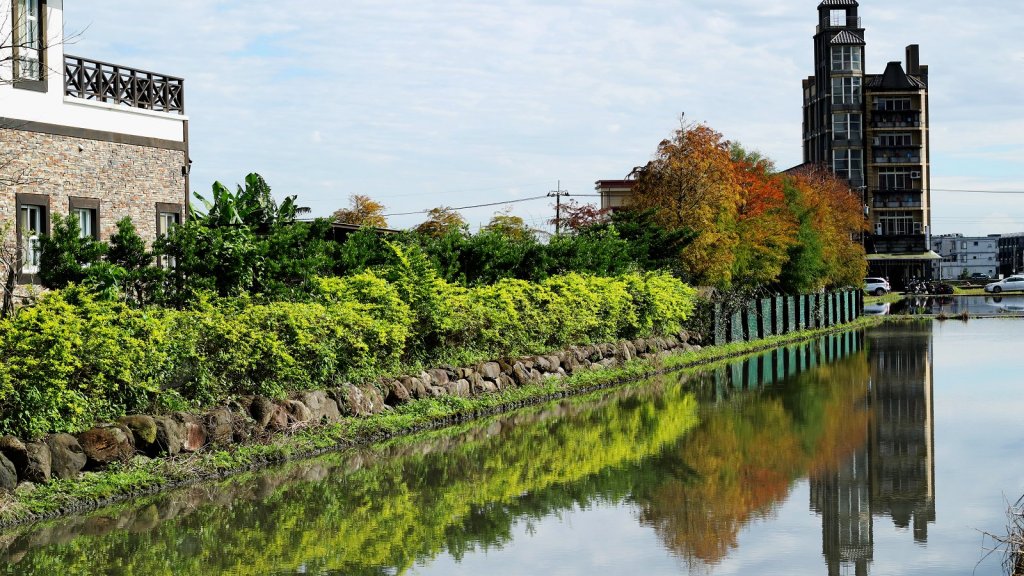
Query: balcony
[[898, 159], [102, 82], [896, 203]]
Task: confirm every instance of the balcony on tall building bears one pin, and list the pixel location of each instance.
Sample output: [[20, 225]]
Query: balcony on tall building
[[897, 200], [893, 157], [122, 86]]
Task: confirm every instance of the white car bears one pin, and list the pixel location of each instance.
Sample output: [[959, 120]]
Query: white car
[[1010, 284], [877, 286]]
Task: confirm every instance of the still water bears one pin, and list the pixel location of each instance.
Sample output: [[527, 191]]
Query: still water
[[881, 452]]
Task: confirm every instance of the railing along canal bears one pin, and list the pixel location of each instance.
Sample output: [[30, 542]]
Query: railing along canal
[[764, 317]]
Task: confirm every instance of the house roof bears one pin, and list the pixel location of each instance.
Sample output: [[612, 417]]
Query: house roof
[[838, 3], [894, 78], [906, 256], [847, 37]]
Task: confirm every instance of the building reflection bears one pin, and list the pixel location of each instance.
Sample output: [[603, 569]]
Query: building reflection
[[893, 475]]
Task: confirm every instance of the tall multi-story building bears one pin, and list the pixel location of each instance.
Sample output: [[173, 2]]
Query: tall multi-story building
[[872, 130], [81, 137]]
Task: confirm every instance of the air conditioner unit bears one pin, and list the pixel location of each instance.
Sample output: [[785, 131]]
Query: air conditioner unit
[[915, 175]]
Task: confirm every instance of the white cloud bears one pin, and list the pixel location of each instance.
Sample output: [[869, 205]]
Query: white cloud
[[419, 99]]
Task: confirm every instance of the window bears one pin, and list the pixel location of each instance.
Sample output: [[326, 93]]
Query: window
[[167, 217], [901, 224], [846, 58], [837, 17], [846, 126], [895, 140], [848, 164], [28, 39], [32, 219], [87, 212], [894, 179], [846, 90], [167, 220], [892, 104]]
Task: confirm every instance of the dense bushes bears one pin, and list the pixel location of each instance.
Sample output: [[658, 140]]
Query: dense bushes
[[73, 359]]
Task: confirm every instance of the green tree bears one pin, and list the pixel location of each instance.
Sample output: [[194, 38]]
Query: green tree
[[66, 253]]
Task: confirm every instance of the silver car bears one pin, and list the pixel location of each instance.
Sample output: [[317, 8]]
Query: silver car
[[877, 286], [1010, 284]]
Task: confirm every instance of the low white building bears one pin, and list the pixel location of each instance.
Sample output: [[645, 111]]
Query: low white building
[[963, 256]]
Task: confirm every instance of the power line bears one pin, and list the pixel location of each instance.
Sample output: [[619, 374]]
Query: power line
[[978, 191], [514, 201]]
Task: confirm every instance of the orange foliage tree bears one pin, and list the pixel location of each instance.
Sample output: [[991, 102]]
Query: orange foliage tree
[[440, 221], [750, 225], [835, 217], [363, 211], [691, 185], [766, 227]]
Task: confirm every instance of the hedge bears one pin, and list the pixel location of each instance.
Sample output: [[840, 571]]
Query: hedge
[[72, 360]]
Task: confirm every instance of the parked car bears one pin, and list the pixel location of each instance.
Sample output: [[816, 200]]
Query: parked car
[[877, 286], [979, 276], [1010, 284]]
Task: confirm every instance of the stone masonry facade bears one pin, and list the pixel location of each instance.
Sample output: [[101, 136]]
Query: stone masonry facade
[[126, 179]]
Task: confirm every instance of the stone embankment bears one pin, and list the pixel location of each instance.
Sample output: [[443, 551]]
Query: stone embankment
[[253, 419]]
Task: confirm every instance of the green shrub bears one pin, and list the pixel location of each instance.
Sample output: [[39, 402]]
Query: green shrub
[[71, 360], [74, 359]]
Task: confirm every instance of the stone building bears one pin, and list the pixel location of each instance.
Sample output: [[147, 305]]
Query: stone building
[[95, 140], [872, 130]]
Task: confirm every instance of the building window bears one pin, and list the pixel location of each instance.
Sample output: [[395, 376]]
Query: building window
[[32, 220], [846, 91], [894, 179], [846, 58], [848, 164], [847, 126], [87, 212], [28, 39], [892, 104], [167, 217], [900, 224], [895, 140]]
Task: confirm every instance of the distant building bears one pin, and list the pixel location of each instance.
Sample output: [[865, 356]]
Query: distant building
[[963, 255], [615, 194], [872, 130], [85, 138], [1011, 253]]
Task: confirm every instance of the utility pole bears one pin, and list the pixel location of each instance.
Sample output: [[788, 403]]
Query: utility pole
[[557, 195]]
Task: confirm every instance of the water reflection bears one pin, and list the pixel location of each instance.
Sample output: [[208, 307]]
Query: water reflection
[[952, 306], [699, 456], [893, 474]]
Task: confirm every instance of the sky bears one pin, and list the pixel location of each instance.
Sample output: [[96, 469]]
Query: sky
[[424, 103]]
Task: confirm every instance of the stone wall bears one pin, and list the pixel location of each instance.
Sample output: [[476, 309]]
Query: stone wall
[[255, 418], [128, 180]]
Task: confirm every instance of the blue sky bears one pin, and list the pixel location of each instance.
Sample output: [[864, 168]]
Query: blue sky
[[455, 102]]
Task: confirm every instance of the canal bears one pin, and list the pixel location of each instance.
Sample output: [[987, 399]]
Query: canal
[[878, 452]]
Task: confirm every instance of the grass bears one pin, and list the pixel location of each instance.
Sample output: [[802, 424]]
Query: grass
[[142, 476], [890, 298]]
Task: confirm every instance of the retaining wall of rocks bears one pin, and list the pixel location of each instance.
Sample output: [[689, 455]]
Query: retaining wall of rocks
[[254, 419]]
